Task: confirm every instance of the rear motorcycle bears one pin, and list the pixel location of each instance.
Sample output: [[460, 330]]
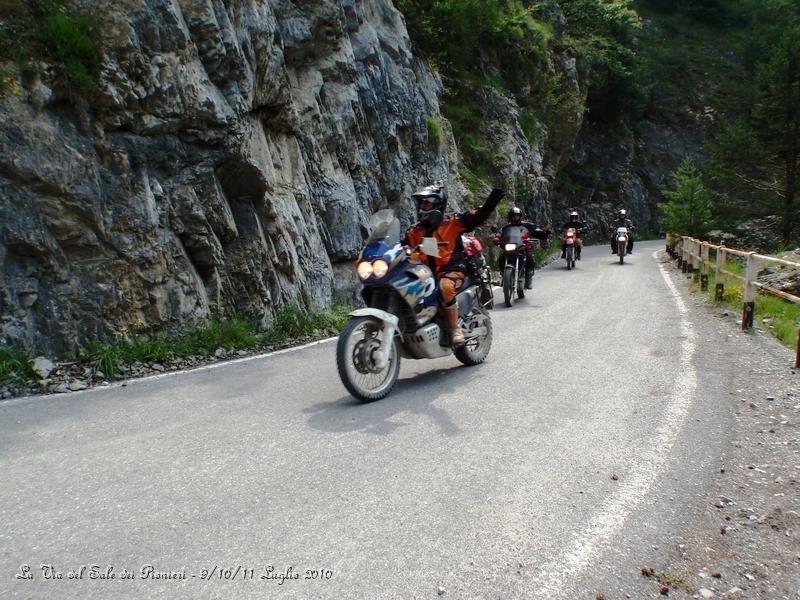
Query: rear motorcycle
[[622, 243], [401, 318]]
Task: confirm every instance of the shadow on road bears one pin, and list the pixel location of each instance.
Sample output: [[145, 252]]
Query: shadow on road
[[414, 394]]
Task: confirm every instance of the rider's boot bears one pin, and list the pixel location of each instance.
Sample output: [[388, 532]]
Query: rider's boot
[[456, 335], [528, 280]]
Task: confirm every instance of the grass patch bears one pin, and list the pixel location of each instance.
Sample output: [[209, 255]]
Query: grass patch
[[15, 366], [231, 334], [434, 132], [776, 315]]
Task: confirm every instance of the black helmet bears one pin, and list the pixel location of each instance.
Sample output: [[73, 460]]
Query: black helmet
[[514, 213], [573, 215], [431, 203]]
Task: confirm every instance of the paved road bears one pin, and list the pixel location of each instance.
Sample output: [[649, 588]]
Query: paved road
[[551, 471]]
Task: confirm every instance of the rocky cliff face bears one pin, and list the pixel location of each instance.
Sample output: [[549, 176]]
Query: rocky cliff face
[[227, 157], [627, 166]]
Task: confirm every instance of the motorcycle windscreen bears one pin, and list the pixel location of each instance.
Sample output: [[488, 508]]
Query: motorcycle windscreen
[[512, 235], [384, 226]]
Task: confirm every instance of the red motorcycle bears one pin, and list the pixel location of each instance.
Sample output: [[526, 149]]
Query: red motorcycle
[[478, 269], [571, 242]]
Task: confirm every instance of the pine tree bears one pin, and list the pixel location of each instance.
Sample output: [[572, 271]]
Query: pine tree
[[688, 211]]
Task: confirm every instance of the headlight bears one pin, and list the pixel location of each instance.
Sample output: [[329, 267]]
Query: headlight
[[511, 247], [364, 269], [379, 268]]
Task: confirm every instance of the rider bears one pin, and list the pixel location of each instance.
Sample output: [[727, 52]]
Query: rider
[[622, 220], [450, 265], [576, 224], [514, 218]]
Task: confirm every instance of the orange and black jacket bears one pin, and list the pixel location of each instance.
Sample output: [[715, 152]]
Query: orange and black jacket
[[452, 257]]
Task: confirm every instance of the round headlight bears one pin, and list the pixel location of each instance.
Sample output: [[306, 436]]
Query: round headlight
[[379, 268], [364, 269], [511, 247]]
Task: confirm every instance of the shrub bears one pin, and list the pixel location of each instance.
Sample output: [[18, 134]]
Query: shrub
[[434, 132], [15, 366], [45, 30]]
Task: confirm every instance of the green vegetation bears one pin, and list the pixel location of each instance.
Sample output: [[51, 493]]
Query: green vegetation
[[456, 35], [15, 366], [688, 211], [604, 36], [234, 333], [45, 30], [508, 45], [776, 315], [741, 60], [434, 132]]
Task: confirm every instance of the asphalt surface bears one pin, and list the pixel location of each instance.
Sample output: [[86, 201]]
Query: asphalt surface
[[550, 471]]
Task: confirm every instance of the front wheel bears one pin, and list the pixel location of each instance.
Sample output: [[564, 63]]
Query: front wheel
[[477, 346], [509, 280], [356, 352], [570, 257], [621, 247]]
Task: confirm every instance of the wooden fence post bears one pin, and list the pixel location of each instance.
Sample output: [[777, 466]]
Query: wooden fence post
[[704, 260], [719, 276], [684, 253], [748, 309]]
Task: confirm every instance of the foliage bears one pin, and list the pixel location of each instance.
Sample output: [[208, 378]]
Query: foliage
[[46, 30], [764, 179], [778, 316], [688, 211], [459, 34], [604, 32], [434, 132], [234, 333], [15, 366], [531, 125]]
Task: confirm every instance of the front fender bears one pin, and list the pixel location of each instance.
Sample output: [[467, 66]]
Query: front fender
[[390, 323], [381, 315]]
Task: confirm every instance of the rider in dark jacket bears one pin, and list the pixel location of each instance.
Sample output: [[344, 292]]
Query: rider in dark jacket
[[579, 227], [515, 219], [622, 220], [450, 266]]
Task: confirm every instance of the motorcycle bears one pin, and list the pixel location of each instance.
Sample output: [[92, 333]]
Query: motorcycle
[[622, 243], [571, 241], [515, 241], [401, 317], [478, 270]]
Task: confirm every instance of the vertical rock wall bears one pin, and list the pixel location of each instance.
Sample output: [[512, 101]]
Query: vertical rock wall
[[226, 158]]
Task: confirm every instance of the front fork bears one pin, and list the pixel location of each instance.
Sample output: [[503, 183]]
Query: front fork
[[389, 322]]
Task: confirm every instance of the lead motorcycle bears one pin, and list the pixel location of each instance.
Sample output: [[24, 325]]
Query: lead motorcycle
[[401, 317]]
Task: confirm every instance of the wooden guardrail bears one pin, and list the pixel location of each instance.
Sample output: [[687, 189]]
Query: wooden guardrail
[[694, 259]]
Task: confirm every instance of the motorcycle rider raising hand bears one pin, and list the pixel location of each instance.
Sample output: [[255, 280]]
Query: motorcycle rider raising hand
[[450, 266]]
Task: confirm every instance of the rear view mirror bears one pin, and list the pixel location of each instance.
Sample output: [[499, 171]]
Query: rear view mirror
[[430, 247]]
